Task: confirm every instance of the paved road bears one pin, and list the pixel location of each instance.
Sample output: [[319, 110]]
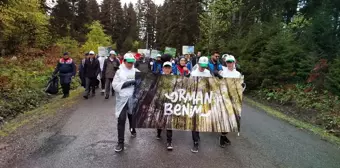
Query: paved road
[[87, 139]]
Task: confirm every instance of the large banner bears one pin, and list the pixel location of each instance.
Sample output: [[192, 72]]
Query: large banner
[[180, 103], [170, 51], [188, 50]]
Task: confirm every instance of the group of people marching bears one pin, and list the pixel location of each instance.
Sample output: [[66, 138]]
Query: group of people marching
[[118, 74], [124, 82]]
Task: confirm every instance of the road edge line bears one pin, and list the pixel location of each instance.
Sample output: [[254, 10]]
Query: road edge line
[[295, 122]]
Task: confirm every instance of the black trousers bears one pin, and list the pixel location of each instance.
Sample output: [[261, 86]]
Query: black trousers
[[168, 134], [195, 136], [102, 81], [122, 121], [90, 85], [66, 88]]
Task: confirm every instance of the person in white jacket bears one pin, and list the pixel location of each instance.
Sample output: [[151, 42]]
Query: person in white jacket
[[200, 71], [123, 83], [230, 70], [101, 78]]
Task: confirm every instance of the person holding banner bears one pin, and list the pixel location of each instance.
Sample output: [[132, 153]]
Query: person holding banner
[[201, 71], [157, 65], [167, 68], [215, 66], [182, 68], [123, 83]]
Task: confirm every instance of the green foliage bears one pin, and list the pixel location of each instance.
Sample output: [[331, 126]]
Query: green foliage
[[96, 38], [326, 104], [24, 24], [68, 45], [22, 85], [333, 77]]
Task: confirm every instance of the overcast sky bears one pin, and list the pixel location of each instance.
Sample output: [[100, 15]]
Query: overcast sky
[[158, 2]]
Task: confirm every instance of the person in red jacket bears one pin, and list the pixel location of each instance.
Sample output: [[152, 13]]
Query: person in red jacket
[[121, 59]]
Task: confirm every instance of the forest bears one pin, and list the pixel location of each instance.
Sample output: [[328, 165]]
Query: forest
[[288, 50]]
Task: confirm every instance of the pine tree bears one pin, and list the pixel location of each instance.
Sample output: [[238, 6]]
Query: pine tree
[[93, 9], [61, 17], [82, 19]]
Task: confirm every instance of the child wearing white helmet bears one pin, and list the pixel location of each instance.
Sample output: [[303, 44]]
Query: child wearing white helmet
[[123, 84]]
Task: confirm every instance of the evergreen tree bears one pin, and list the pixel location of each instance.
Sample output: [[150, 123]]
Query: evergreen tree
[[93, 9], [61, 17], [82, 19]]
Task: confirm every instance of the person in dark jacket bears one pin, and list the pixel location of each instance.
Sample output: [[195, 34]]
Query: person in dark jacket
[[215, 67], [111, 65], [66, 69], [81, 70], [91, 71], [157, 65]]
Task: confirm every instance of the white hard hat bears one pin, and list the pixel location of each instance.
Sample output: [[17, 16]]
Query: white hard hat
[[167, 64], [159, 55], [92, 53], [203, 62], [129, 57], [112, 52], [229, 58]]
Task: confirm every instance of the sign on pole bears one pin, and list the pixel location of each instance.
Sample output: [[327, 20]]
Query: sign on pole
[[154, 53], [188, 50], [104, 51], [170, 51]]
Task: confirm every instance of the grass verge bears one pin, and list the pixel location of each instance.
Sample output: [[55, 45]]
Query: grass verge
[[300, 124], [48, 109]]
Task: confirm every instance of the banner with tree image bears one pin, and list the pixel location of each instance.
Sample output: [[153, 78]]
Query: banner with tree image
[[180, 103]]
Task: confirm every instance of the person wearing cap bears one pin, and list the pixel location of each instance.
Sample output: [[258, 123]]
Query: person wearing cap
[[182, 68], [101, 59], [230, 71], [124, 83], [215, 67], [81, 70], [200, 71], [157, 65], [91, 71], [111, 65], [66, 69], [167, 69]]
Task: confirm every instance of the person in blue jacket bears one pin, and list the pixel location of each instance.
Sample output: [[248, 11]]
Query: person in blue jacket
[[157, 65], [215, 66], [67, 70]]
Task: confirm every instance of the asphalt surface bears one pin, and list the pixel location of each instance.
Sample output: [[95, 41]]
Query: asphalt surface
[[89, 134]]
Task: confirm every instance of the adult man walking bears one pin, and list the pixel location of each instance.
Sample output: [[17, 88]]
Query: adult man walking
[[111, 65], [91, 71], [81, 70], [67, 70]]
